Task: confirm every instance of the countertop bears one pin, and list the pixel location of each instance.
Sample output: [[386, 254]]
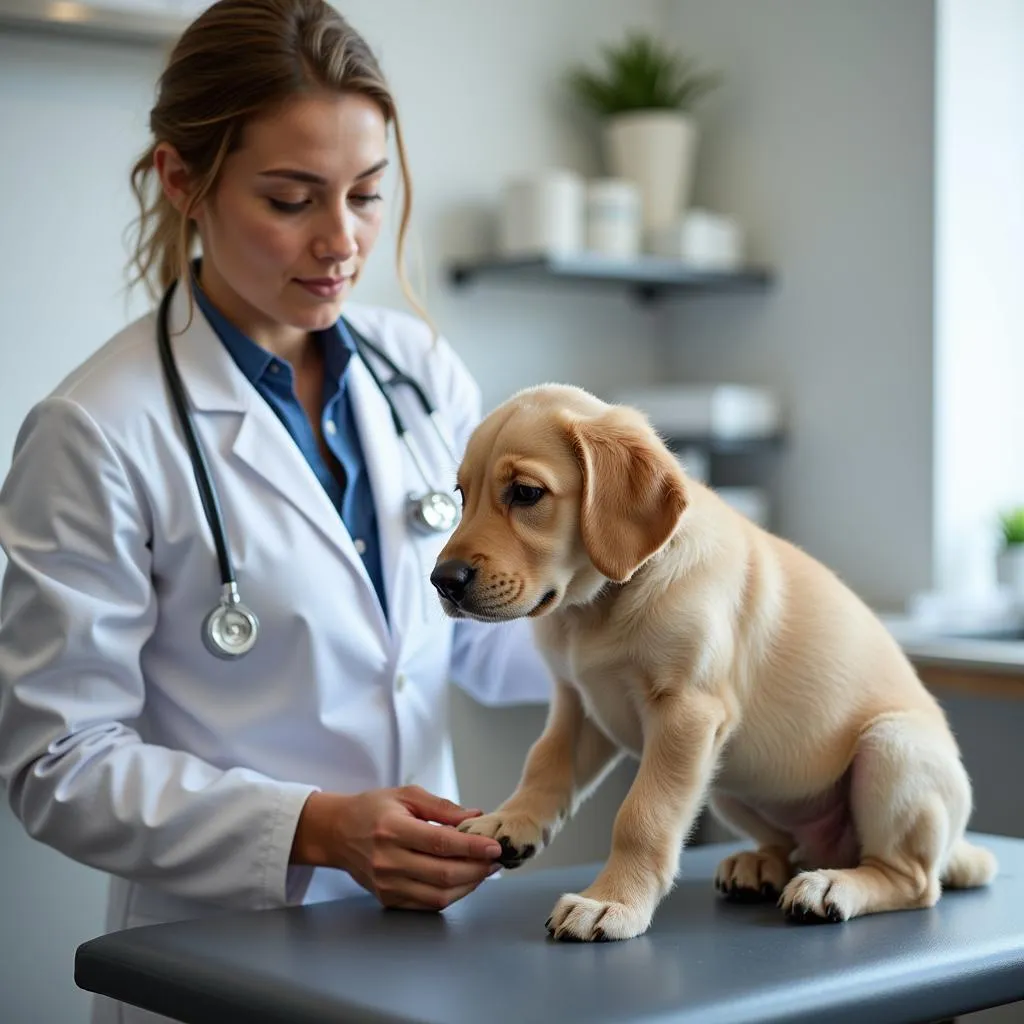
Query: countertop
[[488, 959], [934, 646]]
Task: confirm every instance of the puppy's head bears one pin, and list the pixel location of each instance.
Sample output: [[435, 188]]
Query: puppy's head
[[561, 493]]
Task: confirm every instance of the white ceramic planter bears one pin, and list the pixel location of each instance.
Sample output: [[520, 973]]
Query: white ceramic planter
[[1010, 568], [656, 149]]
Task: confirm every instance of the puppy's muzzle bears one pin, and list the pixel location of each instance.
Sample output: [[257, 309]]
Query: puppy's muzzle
[[452, 578]]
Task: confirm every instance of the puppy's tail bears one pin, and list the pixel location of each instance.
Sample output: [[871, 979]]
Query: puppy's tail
[[969, 867]]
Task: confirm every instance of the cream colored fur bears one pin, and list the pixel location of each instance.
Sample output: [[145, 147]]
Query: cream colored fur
[[737, 669]]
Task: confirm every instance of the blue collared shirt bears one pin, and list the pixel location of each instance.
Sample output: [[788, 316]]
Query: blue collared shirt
[[274, 379]]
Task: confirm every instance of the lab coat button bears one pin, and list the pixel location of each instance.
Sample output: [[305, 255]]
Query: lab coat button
[[400, 682]]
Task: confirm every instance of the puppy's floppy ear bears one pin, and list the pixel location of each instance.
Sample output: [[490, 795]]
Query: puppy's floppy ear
[[633, 490]]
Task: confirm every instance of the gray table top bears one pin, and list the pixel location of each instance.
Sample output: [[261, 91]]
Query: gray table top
[[488, 959]]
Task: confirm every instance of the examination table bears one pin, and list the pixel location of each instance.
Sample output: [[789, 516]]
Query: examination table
[[488, 959]]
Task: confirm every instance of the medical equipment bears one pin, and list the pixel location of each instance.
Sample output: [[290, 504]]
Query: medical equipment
[[434, 511], [230, 629]]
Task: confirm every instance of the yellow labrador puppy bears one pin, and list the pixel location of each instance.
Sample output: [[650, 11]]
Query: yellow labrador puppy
[[734, 666]]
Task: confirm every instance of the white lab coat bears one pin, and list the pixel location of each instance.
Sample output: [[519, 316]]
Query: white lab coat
[[123, 742]]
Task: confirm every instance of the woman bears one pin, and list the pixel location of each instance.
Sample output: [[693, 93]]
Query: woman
[[312, 767]]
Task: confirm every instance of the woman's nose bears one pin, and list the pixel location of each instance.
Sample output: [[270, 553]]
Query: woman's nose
[[338, 239]]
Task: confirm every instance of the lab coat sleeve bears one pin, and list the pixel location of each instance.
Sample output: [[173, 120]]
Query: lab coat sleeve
[[496, 663], [76, 607]]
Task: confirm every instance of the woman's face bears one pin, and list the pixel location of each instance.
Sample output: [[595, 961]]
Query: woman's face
[[296, 212]]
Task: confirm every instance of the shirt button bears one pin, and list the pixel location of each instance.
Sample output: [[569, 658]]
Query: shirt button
[[274, 368], [400, 682], [330, 427], [360, 546]]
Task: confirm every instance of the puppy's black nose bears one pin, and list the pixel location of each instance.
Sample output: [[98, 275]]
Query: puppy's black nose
[[451, 579]]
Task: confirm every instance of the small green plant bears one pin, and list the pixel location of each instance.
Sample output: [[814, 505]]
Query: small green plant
[[1012, 523], [640, 74]]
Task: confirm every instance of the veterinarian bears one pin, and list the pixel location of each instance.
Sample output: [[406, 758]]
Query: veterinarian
[[223, 668]]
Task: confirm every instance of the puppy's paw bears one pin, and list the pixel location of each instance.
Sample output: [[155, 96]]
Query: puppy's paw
[[579, 918], [816, 896], [521, 837], [753, 876]]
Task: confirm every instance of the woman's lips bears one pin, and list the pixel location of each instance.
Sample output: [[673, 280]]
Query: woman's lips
[[323, 287]]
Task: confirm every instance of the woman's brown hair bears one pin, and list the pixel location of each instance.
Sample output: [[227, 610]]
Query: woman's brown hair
[[238, 60]]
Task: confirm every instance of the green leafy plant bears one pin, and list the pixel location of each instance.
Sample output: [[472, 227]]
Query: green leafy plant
[[640, 74], [1012, 523]]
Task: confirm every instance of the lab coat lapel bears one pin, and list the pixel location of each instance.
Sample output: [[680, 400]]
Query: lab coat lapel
[[386, 465], [254, 434], [265, 446]]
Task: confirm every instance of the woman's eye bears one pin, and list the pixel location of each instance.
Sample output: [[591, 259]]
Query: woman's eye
[[284, 206], [525, 495], [366, 198]]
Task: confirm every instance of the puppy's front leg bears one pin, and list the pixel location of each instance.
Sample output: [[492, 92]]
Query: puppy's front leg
[[565, 764], [683, 735]]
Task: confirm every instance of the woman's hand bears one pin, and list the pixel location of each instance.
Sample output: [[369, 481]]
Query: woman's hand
[[383, 838]]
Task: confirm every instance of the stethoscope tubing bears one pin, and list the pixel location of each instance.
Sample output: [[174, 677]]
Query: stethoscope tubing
[[200, 467], [230, 606]]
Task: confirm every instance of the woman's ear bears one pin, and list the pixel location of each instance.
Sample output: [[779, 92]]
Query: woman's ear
[[173, 174], [634, 491]]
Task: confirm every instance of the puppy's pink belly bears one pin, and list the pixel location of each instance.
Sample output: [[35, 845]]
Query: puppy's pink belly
[[823, 831]]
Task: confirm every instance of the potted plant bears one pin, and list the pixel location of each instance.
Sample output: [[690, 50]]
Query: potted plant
[[1010, 559], [644, 97]]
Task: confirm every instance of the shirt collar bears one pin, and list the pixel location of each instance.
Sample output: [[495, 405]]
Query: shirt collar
[[338, 348], [254, 361]]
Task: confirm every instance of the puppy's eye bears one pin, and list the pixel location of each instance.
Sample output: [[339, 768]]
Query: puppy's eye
[[524, 495]]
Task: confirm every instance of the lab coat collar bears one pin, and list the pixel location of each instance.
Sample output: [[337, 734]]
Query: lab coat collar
[[213, 381]]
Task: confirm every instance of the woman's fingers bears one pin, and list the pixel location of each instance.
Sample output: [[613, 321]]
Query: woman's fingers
[[418, 896], [438, 872], [443, 841], [429, 807], [419, 865]]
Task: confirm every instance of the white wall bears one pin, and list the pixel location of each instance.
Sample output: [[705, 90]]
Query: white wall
[[979, 211], [820, 142], [478, 86]]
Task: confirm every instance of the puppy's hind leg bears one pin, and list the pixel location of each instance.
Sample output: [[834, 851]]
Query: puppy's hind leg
[[969, 866], [910, 799], [752, 876]]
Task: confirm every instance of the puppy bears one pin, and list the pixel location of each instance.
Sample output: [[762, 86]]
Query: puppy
[[737, 669]]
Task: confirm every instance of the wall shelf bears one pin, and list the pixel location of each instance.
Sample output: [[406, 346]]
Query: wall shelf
[[752, 447], [153, 24], [649, 278]]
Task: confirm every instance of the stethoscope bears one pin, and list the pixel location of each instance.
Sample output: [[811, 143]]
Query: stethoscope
[[231, 628]]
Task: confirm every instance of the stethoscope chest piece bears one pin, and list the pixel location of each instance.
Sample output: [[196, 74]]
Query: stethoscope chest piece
[[433, 512], [230, 629]]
